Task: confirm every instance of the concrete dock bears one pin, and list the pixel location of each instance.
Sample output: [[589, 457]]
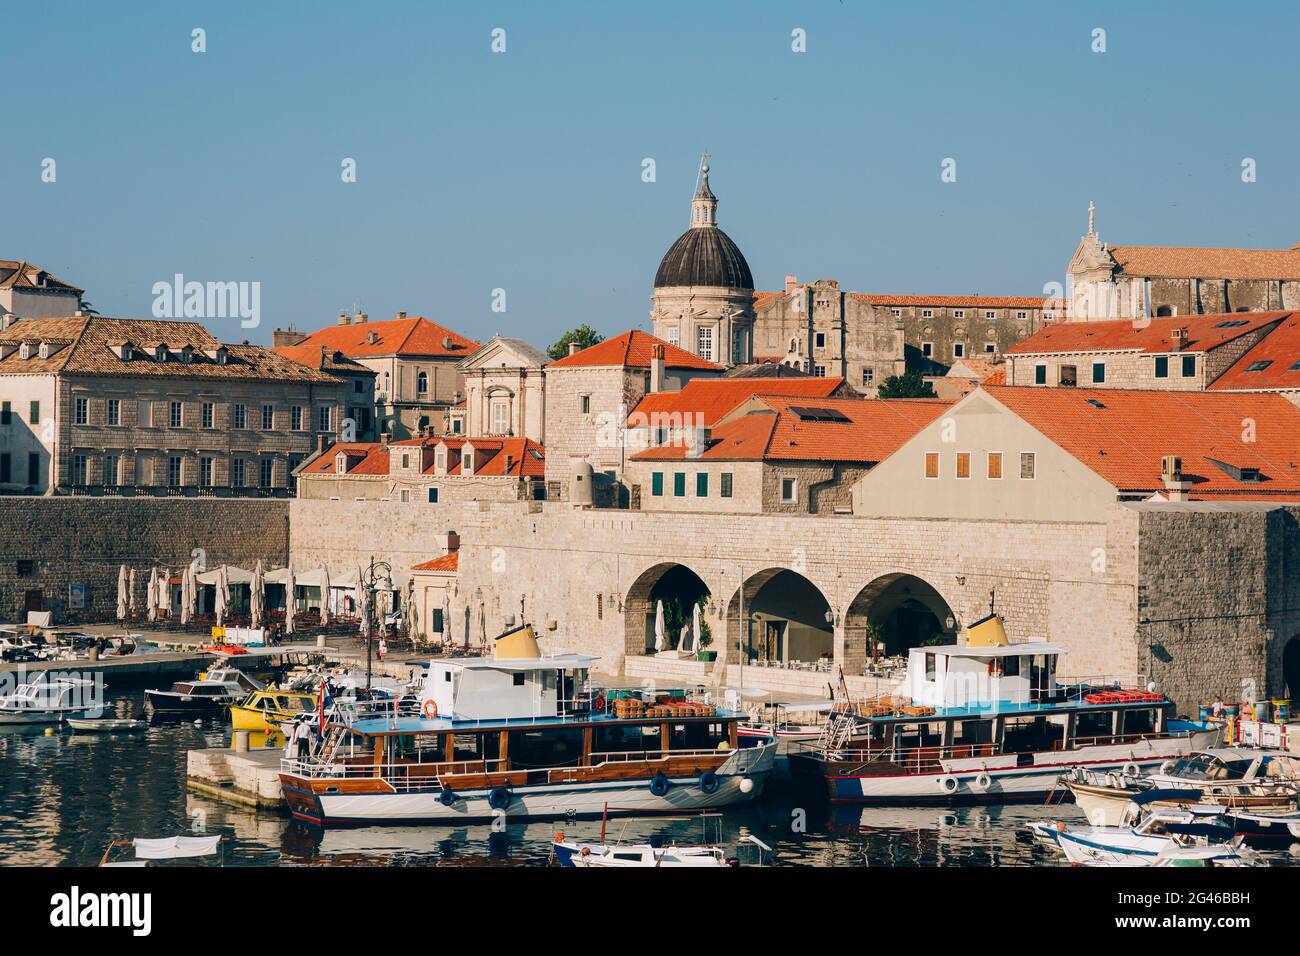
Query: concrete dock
[[250, 779]]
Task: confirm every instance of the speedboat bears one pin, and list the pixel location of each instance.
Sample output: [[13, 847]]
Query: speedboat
[[1148, 832], [212, 691], [633, 855], [49, 700], [517, 736], [989, 720]]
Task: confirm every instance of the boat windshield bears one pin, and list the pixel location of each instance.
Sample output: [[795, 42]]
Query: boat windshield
[[1209, 767]]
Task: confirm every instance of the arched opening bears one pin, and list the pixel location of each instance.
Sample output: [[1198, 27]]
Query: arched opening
[[895, 613], [1291, 667], [680, 589], [786, 619], [1164, 311]]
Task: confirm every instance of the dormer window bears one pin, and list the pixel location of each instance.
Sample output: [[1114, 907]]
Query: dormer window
[[44, 350], [187, 354], [160, 353], [128, 352], [340, 464], [25, 351], [467, 461]]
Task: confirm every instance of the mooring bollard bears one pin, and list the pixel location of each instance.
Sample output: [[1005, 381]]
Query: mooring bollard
[[241, 741], [320, 641]]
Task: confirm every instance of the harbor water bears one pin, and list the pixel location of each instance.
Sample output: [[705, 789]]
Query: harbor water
[[66, 795]]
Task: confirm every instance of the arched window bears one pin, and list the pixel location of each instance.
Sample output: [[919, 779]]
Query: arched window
[[1163, 311], [422, 383]]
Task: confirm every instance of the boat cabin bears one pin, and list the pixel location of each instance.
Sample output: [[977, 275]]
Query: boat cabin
[[982, 676], [492, 688]]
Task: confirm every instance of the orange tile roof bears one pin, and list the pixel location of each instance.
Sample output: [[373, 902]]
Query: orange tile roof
[[527, 458], [1204, 332], [761, 299], [448, 562], [19, 274], [364, 458], [711, 398], [414, 336], [316, 356], [1191, 262], [1280, 349], [775, 430], [632, 350], [997, 377], [968, 301], [1125, 434]]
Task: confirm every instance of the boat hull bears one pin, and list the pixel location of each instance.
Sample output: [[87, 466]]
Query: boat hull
[[16, 718], [1105, 806], [168, 703]]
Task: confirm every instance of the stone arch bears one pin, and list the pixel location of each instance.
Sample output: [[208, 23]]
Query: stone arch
[[1291, 668], [906, 610], [668, 581], [785, 618]]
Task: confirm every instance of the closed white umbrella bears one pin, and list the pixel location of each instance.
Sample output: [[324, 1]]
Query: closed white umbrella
[[290, 602], [482, 623], [165, 592], [659, 627], [151, 596], [189, 587], [324, 596], [121, 593], [695, 627], [363, 605], [255, 596], [130, 594], [684, 645], [446, 614], [409, 612], [223, 596]]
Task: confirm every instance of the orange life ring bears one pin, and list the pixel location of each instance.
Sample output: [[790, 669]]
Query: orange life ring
[[431, 708]]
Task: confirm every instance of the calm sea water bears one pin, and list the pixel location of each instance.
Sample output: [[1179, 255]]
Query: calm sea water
[[63, 797]]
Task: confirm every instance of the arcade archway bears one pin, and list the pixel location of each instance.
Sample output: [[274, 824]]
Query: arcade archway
[[678, 587], [785, 618], [898, 612], [1291, 668]]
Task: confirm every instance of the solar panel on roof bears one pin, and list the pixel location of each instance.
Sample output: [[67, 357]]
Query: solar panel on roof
[[816, 414]]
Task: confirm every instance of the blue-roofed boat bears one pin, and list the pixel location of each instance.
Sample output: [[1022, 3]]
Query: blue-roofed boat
[[522, 736], [990, 721]]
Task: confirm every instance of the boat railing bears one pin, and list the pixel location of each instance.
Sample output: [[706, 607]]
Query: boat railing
[[409, 772], [1075, 689]]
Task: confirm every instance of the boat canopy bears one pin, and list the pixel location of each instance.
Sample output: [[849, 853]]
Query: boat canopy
[[1209, 831], [176, 848]]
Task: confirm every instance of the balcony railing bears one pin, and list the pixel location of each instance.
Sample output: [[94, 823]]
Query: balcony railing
[[175, 491]]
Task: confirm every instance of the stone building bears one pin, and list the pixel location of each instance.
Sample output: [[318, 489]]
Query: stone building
[[776, 454], [588, 396], [416, 364], [1234, 351], [29, 292], [358, 422], [100, 405], [505, 390], [1128, 282]]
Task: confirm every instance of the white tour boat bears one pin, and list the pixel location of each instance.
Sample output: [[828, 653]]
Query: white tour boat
[[50, 700]]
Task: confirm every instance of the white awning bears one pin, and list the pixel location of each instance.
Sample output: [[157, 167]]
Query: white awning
[[176, 848], [237, 576]]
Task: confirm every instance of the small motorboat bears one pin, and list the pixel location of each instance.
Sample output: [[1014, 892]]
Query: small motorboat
[[1160, 831], [105, 725], [165, 848], [49, 700], [624, 855], [212, 691], [1264, 828]]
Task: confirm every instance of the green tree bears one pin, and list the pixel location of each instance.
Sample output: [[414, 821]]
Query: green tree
[[908, 385], [584, 335]]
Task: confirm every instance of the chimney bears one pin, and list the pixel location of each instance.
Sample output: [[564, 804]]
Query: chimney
[[383, 442], [1177, 340], [361, 317], [700, 445], [791, 282], [656, 368], [1171, 473], [344, 318], [321, 443], [509, 461], [573, 348], [400, 316], [323, 353], [372, 338]]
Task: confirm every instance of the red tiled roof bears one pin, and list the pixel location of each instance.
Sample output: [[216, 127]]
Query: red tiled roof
[[761, 299], [997, 377], [448, 562], [527, 458], [1204, 332], [776, 429], [1191, 262], [632, 350], [968, 301], [364, 458], [1280, 349], [313, 356], [412, 336], [1123, 436], [711, 398]]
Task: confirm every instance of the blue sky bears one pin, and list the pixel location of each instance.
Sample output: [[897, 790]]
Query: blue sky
[[522, 170]]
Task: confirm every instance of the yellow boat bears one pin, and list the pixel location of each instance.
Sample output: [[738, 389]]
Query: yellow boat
[[262, 712]]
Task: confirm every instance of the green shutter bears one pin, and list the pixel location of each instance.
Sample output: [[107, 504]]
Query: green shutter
[[657, 484], [702, 484], [679, 484], [726, 484]]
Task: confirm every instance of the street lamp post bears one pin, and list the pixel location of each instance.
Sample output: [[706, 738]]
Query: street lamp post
[[377, 571]]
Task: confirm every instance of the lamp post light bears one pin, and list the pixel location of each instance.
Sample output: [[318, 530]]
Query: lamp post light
[[378, 572]]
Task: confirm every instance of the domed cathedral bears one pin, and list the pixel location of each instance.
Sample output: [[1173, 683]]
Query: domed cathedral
[[703, 298]]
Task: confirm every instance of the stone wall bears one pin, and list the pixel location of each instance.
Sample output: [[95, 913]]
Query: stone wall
[[85, 540]]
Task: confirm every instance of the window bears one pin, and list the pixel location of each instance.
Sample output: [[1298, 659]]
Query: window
[[4, 468], [33, 468], [500, 417], [268, 417], [5, 414], [34, 413], [927, 313], [112, 470], [819, 371], [932, 464], [113, 411], [422, 383], [584, 404], [1098, 372], [657, 484], [1040, 374], [174, 470], [789, 490], [82, 411], [177, 414], [1067, 376], [991, 348], [995, 465], [24, 567], [1259, 366], [963, 464], [958, 349], [819, 340], [724, 484], [205, 472], [1164, 311], [1026, 464], [702, 484], [868, 376], [704, 339], [295, 418], [927, 349], [433, 497], [406, 494], [209, 410], [266, 472], [1022, 316], [990, 314], [239, 416], [679, 484], [673, 336], [78, 469], [1189, 366], [406, 459], [324, 415], [959, 313], [1162, 366], [897, 313], [237, 475]]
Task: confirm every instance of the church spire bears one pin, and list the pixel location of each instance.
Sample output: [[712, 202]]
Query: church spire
[[704, 205]]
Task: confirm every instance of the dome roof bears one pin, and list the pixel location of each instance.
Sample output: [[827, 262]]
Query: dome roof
[[704, 256]]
